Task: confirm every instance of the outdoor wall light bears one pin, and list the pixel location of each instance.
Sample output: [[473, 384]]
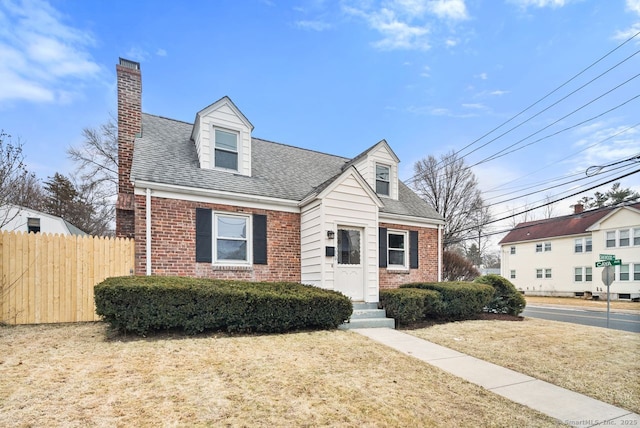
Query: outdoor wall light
[[330, 234]]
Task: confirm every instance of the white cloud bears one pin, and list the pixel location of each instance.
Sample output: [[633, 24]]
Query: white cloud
[[407, 24], [449, 9], [313, 25], [482, 76], [498, 92], [41, 58], [634, 6], [426, 71], [541, 3], [161, 52]]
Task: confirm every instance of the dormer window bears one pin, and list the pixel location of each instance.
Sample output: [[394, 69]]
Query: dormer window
[[382, 180], [226, 149]]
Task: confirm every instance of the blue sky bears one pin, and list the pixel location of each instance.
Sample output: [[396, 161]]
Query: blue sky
[[428, 76]]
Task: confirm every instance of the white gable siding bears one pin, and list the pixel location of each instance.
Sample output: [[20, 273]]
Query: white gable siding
[[223, 117], [350, 205], [312, 245], [367, 168]]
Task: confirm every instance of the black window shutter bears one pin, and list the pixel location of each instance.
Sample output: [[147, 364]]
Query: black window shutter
[[413, 249], [259, 239], [204, 237], [382, 247]]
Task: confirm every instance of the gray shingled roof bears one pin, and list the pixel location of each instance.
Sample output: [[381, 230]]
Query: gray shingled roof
[[165, 154]]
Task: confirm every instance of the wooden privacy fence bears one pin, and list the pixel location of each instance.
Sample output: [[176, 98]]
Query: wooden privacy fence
[[50, 278]]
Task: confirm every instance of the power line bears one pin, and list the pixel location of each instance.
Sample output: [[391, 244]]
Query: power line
[[543, 98], [564, 158]]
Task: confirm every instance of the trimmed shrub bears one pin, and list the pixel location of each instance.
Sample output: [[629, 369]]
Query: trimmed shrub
[[144, 304], [506, 298], [460, 300], [407, 305]]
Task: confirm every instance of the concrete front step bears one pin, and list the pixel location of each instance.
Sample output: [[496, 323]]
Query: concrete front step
[[367, 315]]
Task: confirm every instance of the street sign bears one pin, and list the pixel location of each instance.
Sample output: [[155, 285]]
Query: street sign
[[608, 275], [607, 257], [605, 263]]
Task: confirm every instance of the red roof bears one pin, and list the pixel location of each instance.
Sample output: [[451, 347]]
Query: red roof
[[573, 224]]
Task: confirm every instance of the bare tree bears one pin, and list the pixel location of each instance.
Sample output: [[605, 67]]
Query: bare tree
[[452, 189], [96, 174], [549, 208], [15, 180]]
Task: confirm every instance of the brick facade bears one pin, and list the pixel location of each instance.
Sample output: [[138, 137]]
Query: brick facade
[[129, 82], [427, 260], [173, 238]]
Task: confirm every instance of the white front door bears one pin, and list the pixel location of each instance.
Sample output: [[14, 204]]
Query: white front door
[[350, 268]]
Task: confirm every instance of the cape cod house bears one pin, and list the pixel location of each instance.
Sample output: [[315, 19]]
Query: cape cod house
[[559, 256], [208, 199]]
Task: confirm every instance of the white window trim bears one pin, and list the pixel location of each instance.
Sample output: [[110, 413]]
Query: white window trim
[[512, 274], [375, 178], [512, 250], [249, 233], [581, 274], [404, 266], [238, 135]]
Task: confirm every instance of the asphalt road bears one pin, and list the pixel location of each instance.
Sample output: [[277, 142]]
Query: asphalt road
[[617, 320]]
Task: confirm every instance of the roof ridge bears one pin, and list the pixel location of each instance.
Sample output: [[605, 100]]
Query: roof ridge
[[168, 118], [301, 148]]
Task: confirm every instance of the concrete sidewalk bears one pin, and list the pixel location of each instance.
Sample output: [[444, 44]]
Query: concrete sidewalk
[[567, 406]]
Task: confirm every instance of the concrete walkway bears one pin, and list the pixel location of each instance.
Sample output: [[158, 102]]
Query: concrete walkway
[[567, 406]]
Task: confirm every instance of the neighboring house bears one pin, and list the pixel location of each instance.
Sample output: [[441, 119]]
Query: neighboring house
[[557, 256], [208, 199], [21, 219]]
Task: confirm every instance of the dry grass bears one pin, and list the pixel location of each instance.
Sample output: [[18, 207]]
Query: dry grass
[[73, 375], [594, 361], [589, 304]]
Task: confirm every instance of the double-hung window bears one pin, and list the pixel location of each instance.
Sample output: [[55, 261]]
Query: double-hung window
[[397, 248], [230, 236], [577, 277], [512, 250], [547, 273], [588, 245], [588, 274], [538, 248], [624, 238], [636, 236], [624, 272], [538, 273], [547, 246], [636, 272], [226, 149], [611, 239], [382, 180], [578, 245], [512, 274]]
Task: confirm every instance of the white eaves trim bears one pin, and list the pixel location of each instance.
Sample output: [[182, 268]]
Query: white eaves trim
[[192, 194], [409, 220]]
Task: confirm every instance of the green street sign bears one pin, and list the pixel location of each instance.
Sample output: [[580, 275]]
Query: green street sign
[[607, 257], [605, 263]]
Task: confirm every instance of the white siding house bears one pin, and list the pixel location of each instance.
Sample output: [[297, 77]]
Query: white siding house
[[558, 256]]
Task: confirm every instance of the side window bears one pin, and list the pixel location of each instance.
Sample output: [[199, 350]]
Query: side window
[[538, 273], [547, 246], [513, 250], [382, 180], [512, 274], [611, 239], [33, 225], [538, 248], [588, 246], [226, 150], [588, 276]]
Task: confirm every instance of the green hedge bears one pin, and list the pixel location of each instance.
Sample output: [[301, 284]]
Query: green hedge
[[506, 299], [407, 305], [144, 304], [460, 300]]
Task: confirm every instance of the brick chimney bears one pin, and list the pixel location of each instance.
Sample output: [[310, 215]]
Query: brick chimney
[[129, 126], [578, 208]]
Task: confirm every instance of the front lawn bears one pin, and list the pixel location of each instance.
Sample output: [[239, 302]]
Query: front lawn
[[75, 375]]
